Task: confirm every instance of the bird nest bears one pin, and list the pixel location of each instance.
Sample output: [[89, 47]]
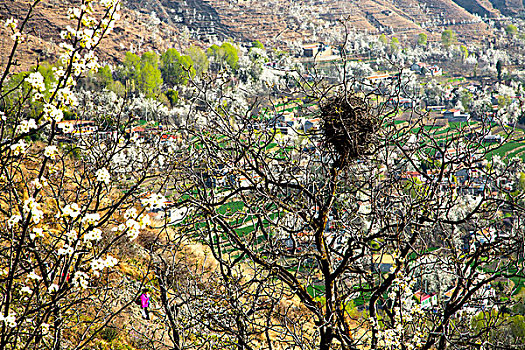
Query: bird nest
[[350, 127]]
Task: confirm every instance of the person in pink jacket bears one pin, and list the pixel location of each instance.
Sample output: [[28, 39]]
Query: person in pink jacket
[[144, 303]]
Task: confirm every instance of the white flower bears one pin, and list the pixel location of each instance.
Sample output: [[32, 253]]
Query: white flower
[[144, 221], [51, 152], [66, 250], [111, 261], [154, 201], [37, 232], [74, 13], [72, 210], [72, 234], [91, 219], [19, 147], [39, 182], [9, 320], [26, 125], [103, 176], [26, 290], [52, 113], [17, 36], [13, 220], [11, 23], [67, 97], [33, 276], [52, 288], [31, 206], [36, 81], [80, 279], [133, 229], [100, 264], [67, 128], [45, 328], [93, 235], [130, 213], [108, 3]]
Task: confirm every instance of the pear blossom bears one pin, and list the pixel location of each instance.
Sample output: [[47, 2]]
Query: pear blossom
[[154, 201], [52, 113], [37, 232], [9, 320], [72, 234], [36, 81], [39, 182], [72, 210], [11, 23], [19, 148], [33, 276], [53, 288], [91, 219], [66, 250], [103, 176], [45, 328], [80, 279], [13, 220], [26, 125], [144, 221], [99, 264], [66, 97], [51, 152], [133, 229], [31, 206], [130, 213], [93, 235], [26, 290]]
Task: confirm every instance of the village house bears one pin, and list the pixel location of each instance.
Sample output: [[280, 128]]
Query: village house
[[425, 68], [455, 115], [426, 300]]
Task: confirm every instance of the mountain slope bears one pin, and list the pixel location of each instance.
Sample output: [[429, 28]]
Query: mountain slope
[[159, 24]]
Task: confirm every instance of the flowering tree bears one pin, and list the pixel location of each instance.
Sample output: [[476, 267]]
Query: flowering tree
[[64, 221]]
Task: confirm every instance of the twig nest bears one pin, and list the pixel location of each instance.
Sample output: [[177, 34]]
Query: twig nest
[[349, 127]]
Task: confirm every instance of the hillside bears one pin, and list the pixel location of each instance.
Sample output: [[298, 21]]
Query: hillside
[[134, 31], [159, 24]]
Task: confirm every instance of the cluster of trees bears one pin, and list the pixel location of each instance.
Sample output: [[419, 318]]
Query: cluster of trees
[[151, 74]]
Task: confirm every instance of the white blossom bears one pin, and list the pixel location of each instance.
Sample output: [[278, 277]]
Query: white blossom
[[26, 125], [33, 276], [31, 206], [93, 235], [103, 176], [72, 210], [154, 201], [133, 229], [26, 290], [11, 23], [37, 232], [53, 288], [19, 148], [36, 81], [13, 220], [80, 279], [52, 113], [66, 250], [91, 219], [9, 320]]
